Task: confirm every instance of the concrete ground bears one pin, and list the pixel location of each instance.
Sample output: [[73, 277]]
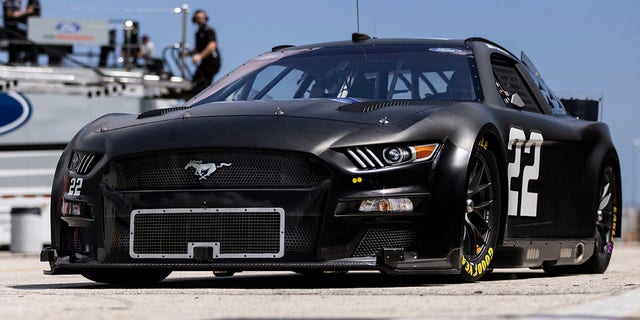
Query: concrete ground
[[25, 293]]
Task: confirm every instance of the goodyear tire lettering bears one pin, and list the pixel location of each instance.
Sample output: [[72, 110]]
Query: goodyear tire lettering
[[480, 268], [483, 143], [615, 222]]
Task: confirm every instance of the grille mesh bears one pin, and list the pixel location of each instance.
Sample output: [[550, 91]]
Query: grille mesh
[[72, 239], [120, 240], [378, 238], [237, 232], [300, 237], [230, 169]]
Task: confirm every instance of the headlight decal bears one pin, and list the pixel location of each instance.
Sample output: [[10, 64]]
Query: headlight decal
[[82, 162], [378, 157], [365, 158]]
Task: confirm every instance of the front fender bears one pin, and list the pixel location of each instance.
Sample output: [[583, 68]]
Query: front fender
[[444, 215]]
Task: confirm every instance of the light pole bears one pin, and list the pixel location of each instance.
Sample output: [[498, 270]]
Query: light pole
[[184, 10]]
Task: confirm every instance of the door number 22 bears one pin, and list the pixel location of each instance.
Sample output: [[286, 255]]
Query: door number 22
[[528, 200]]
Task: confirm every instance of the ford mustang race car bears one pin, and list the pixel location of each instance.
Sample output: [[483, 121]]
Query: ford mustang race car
[[405, 156]]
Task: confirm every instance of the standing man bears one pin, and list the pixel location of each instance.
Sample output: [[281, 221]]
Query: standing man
[[146, 49], [31, 49], [12, 11], [206, 52]]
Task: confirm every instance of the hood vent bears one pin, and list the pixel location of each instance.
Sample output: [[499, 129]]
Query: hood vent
[[159, 112], [364, 107]]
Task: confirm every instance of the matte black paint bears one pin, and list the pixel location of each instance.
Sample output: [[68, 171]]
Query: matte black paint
[[575, 151]]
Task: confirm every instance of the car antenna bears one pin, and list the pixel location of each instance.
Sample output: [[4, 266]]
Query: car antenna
[[358, 36], [357, 16]]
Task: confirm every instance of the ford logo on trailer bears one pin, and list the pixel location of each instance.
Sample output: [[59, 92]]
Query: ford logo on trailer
[[67, 27], [15, 110]]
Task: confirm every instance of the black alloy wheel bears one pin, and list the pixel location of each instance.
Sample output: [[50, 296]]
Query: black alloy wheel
[[605, 223], [482, 214]]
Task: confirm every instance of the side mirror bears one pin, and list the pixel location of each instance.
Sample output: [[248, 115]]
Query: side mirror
[[517, 101]]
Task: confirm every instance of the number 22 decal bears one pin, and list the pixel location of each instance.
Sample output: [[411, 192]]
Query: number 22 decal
[[75, 186], [527, 201]]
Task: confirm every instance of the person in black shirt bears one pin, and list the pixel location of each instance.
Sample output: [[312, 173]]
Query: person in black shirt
[[12, 11], [206, 52]]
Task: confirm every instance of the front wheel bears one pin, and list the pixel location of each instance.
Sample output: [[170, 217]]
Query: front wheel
[[482, 214]]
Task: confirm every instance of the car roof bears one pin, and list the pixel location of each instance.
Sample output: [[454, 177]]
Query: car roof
[[376, 41], [359, 39]]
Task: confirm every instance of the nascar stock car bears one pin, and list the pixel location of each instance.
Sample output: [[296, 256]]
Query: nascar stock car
[[405, 156]]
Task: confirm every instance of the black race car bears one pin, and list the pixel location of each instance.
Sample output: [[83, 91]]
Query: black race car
[[399, 155]]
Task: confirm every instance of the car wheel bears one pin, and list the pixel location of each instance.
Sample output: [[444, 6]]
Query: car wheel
[[482, 214], [607, 207], [605, 223], [127, 277]]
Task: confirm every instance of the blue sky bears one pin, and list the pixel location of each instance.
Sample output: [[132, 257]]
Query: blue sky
[[588, 47]]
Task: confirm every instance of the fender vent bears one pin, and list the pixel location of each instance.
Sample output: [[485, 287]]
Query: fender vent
[[364, 107], [159, 112]]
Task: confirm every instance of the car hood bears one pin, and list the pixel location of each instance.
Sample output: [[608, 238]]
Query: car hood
[[304, 125], [347, 109]]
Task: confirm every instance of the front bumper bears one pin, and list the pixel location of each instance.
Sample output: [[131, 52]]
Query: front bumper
[[390, 261], [323, 232]]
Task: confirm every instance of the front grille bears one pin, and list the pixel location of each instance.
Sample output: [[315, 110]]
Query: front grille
[[231, 232], [72, 239], [239, 169], [300, 237], [378, 238], [120, 239]]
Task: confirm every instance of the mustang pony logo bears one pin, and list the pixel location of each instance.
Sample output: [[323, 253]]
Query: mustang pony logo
[[203, 170]]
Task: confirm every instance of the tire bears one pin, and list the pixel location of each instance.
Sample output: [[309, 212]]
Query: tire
[[482, 214], [605, 212], [605, 223], [127, 277]]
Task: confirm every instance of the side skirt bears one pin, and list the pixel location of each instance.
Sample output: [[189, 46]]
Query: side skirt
[[532, 253]]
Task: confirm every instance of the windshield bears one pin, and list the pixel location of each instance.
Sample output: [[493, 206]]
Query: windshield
[[381, 72]]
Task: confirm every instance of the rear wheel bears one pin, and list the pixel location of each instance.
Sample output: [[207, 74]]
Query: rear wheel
[[482, 214], [605, 223], [127, 277], [606, 210]]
